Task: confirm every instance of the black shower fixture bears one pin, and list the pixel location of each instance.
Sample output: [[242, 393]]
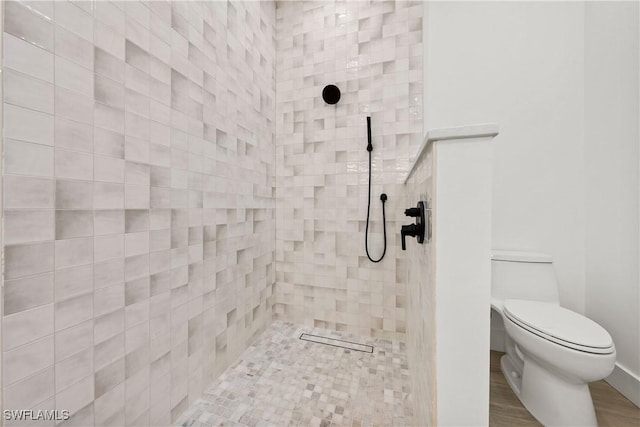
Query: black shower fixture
[[331, 94], [419, 228], [383, 199]]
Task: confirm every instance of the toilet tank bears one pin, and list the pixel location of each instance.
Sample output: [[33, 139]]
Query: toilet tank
[[522, 275]]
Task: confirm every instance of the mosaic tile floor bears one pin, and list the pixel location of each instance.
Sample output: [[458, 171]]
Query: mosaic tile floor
[[282, 380]]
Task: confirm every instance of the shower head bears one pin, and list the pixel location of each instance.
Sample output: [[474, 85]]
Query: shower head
[[331, 94]]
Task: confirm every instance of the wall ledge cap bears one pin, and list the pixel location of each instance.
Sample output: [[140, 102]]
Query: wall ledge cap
[[482, 130]]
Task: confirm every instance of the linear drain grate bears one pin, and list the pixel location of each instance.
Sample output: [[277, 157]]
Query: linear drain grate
[[337, 343]]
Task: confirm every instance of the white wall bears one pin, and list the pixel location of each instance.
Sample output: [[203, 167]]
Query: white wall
[[611, 158], [520, 65], [1, 206], [561, 80], [462, 234]]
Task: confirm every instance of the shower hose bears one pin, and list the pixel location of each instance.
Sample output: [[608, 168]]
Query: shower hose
[[383, 198]]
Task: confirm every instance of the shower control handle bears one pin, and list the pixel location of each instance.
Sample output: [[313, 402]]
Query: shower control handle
[[411, 230], [417, 229]]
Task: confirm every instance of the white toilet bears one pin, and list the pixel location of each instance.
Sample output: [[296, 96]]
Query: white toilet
[[551, 353]]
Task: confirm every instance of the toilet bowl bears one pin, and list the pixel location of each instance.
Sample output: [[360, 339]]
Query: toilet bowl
[[552, 353]]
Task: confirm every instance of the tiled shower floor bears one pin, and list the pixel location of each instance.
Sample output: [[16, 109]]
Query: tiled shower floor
[[282, 380]]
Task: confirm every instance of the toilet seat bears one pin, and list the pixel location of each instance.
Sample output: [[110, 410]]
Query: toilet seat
[[559, 325]]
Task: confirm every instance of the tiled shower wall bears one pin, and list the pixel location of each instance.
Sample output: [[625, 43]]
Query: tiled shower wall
[[372, 50], [421, 330], [138, 201]]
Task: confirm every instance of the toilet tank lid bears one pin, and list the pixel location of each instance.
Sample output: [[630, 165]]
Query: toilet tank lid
[[518, 256]]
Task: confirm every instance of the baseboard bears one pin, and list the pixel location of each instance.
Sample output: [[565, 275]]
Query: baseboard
[[626, 383]]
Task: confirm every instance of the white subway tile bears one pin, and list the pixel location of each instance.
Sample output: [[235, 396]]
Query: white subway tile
[[27, 58], [28, 125]]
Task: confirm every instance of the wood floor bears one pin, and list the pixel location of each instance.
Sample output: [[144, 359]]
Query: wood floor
[[612, 408]]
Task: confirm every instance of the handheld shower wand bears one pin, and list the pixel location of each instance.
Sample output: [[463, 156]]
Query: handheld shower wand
[[369, 144], [383, 199]]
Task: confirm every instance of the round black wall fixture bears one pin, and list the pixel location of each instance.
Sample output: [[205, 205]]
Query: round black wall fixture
[[331, 94]]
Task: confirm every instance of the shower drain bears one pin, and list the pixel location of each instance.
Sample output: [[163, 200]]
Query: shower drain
[[334, 342]]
